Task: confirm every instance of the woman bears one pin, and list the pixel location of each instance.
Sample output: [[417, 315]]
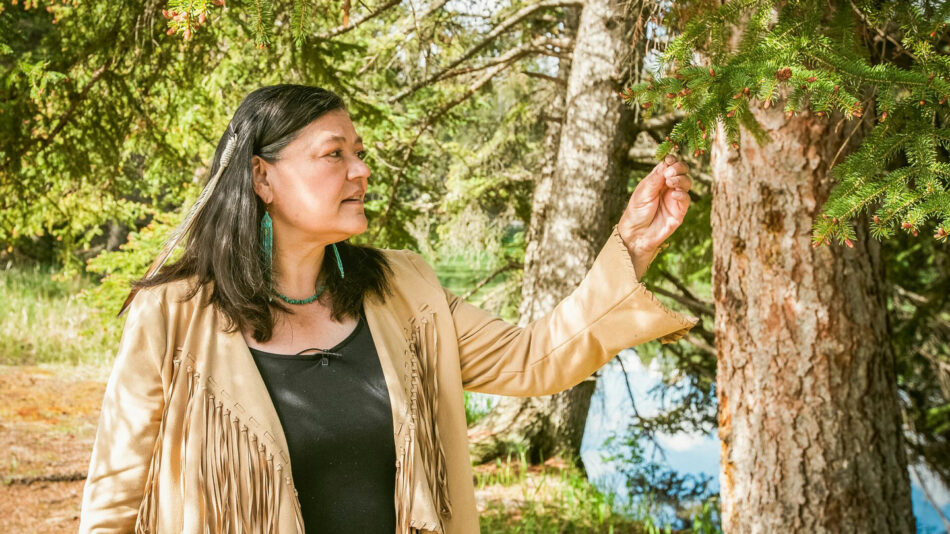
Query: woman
[[259, 377]]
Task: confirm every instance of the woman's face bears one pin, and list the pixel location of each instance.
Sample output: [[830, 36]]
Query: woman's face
[[306, 189]]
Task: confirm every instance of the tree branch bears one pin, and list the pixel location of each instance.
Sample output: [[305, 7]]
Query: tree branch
[[491, 36], [543, 76], [538, 46], [339, 30]]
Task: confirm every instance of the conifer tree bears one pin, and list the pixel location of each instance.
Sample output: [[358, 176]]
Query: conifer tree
[[900, 175], [878, 69]]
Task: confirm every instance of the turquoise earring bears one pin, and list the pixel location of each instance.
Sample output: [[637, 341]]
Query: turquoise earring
[[339, 263], [267, 240]]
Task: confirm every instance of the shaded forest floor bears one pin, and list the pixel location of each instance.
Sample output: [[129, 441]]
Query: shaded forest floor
[[48, 417]]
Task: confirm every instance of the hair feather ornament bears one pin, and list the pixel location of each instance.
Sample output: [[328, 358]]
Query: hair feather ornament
[[182, 229]]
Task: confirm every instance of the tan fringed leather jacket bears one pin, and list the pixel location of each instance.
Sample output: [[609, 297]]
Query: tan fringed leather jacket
[[188, 439]]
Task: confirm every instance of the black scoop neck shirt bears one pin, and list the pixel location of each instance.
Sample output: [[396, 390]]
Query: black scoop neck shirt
[[336, 415]]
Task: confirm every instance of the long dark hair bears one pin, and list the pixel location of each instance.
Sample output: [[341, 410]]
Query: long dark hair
[[224, 243]]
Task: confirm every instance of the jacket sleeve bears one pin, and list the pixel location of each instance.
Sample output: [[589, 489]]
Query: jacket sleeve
[[609, 311], [128, 422]]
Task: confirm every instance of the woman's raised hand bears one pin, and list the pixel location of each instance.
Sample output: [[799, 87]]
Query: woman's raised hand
[[655, 210]]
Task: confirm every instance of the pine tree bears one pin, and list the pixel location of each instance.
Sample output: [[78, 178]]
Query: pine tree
[[900, 174], [875, 70]]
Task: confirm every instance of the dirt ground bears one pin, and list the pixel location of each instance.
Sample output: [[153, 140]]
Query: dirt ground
[[48, 419]]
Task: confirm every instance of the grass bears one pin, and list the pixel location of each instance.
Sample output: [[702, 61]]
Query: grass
[[516, 497], [45, 321]]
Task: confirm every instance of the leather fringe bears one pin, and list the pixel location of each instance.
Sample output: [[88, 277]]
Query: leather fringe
[[239, 481], [423, 426], [404, 467]]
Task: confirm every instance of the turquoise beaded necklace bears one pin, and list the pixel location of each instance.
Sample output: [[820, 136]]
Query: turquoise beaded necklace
[[289, 300]]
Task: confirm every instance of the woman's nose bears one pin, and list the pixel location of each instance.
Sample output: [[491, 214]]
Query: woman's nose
[[358, 169]]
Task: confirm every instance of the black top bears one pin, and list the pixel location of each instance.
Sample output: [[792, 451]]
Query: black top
[[335, 412]]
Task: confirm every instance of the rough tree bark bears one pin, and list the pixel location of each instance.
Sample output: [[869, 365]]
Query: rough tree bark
[[808, 410], [575, 207]]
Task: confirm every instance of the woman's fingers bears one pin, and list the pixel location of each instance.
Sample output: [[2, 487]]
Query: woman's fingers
[[677, 168]]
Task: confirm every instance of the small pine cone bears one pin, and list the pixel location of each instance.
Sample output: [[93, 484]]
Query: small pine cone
[[811, 79], [877, 219], [849, 243], [783, 74]]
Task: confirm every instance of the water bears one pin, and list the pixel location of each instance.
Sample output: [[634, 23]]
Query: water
[[695, 454]]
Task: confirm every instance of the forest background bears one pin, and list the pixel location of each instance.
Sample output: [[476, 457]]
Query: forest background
[[816, 134]]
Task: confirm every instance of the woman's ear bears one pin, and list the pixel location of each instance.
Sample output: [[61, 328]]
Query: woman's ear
[[261, 185]]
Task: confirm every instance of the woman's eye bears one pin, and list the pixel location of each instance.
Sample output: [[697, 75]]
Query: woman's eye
[[335, 153]]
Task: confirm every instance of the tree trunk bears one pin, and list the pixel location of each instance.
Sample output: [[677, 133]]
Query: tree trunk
[[808, 410], [575, 208]]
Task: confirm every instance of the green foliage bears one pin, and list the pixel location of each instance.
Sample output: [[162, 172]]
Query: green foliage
[[119, 268], [810, 59]]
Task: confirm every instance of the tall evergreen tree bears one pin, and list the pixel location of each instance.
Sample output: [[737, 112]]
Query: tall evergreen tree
[[859, 137]]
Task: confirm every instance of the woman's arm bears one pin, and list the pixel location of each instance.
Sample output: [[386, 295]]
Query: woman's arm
[[128, 422], [609, 311]]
